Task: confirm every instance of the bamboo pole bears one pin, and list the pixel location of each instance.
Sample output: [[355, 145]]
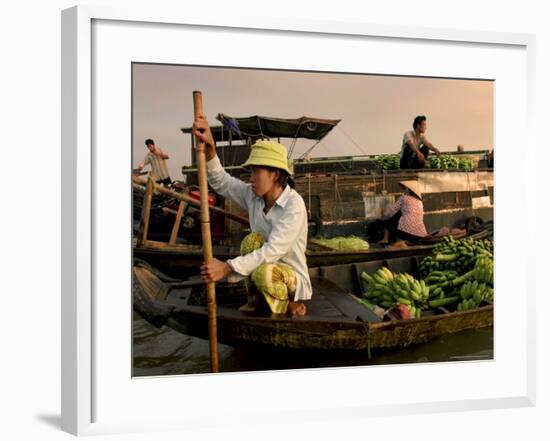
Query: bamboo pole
[[206, 239], [177, 222], [145, 212], [188, 199]]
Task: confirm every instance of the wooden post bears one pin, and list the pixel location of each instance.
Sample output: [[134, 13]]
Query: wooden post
[[177, 222], [145, 212], [206, 239]]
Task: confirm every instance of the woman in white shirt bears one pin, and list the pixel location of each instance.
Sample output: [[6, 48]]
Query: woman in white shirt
[[275, 210]]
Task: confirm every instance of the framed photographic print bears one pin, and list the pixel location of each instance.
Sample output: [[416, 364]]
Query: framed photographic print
[[351, 213]]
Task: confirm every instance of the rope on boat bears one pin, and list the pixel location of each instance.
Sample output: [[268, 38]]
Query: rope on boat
[[303, 155], [366, 331], [470, 191], [309, 194], [351, 139], [337, 196], [294, 141]]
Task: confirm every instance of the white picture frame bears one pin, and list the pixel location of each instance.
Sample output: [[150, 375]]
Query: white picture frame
[[87, 376]]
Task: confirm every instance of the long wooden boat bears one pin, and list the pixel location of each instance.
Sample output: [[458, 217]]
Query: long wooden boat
[[183, 260], [335, 320]]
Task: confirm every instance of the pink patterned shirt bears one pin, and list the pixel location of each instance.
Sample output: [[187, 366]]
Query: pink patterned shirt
[[412, 215]]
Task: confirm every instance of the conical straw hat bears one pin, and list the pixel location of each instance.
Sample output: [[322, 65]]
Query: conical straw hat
[[413, 186]]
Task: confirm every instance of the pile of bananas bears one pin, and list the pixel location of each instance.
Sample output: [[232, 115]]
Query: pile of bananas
[[470, 288], [387, 289], [465, 287], [456, 254], [440, 282], [472, 294], [442, 290], [388, 162], [450, 162], [482, 272]]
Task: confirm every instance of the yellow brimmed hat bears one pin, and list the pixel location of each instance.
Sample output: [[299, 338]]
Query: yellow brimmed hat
[[268, 153], [413, 186]]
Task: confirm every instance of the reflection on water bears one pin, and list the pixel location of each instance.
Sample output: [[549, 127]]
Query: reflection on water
[[167, 352]]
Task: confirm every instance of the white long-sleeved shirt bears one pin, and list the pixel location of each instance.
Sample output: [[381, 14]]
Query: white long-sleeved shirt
[[284, 226]]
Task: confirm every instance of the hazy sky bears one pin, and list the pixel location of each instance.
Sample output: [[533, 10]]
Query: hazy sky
[[375, 110]]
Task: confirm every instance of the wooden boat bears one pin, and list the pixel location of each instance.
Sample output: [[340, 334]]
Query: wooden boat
[[183, 260], [335, 320]]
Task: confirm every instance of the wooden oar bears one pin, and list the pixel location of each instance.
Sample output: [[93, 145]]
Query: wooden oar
[[206, 239]]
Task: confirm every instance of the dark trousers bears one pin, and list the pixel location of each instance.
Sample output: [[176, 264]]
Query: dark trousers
[[410, 160], [166, 182], [392, 224]]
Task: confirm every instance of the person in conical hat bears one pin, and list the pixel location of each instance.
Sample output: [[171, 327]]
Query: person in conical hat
[[275, 211], [404, 219]]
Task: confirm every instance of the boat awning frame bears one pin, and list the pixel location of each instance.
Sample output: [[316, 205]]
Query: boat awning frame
[[268, 127]]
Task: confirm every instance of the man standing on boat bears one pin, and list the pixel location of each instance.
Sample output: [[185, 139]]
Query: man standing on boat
[[415, 147], [277, 214], [156, 158]]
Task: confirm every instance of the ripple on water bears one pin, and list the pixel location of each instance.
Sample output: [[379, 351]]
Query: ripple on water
[[166, 352]]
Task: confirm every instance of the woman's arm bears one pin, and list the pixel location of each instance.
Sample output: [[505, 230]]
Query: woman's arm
[[221, 181], [393, 208]]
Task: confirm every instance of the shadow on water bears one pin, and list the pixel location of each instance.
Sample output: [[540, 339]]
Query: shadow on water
[[166, 352]]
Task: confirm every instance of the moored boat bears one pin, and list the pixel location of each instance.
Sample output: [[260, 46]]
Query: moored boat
[[184, 260], [335, 320]]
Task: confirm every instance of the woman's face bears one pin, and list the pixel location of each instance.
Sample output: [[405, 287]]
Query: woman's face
[[262, 180]]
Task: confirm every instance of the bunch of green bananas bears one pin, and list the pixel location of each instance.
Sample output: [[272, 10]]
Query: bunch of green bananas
[[440, 282], [389, 162], [456, 254], [450, 162], [442, 291], [443, 161], [387, 289], [470, 288], [465, 164], [472, 294], [482, 272], [378, 289]]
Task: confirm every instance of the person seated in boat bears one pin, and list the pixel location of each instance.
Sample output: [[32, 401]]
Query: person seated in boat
[[275, 210], [404, 219], [415, 147]]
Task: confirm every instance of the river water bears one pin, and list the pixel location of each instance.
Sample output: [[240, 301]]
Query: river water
[[166, 352]]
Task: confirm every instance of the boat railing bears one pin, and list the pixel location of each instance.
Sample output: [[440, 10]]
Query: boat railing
[[184, 200]]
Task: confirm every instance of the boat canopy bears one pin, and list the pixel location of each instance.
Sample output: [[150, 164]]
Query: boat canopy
[[268, 127]]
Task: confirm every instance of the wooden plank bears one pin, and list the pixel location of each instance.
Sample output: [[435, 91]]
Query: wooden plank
[[343, 301], [181, 247], [320, 307], [177, 223], [145, 212]]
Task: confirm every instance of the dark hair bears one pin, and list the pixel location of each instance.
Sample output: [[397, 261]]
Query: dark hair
[[149, 141], [284, 178], [418, 120]]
